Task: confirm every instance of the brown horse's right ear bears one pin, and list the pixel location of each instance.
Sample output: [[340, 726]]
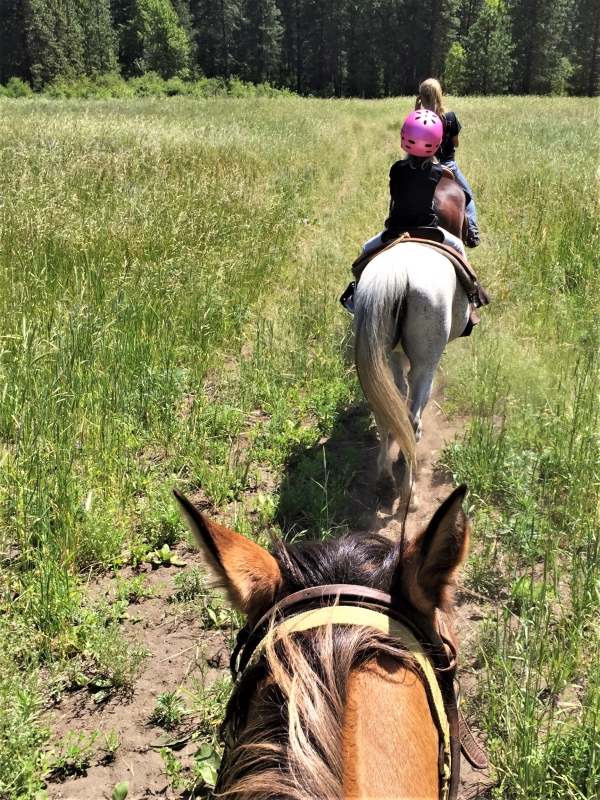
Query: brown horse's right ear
[[248, 574], [433, 557]]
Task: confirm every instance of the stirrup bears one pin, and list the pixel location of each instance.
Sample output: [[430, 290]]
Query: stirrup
[[347, 299]]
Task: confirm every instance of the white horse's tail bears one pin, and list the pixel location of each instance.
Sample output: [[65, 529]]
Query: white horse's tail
[[377, 299]]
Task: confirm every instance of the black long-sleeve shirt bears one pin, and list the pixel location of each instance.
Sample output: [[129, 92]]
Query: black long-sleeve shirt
[[411, 192]]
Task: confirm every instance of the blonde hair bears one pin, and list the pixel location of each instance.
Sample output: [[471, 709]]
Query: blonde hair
[[420, 161], [430, 96]]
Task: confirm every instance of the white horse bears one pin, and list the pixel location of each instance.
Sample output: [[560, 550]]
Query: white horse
[[408, 301]]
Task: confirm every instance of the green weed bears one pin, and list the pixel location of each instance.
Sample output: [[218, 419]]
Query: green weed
[[189, 583], [168, 711], [203, 772], [73, 754], [165, 557], [132, 590], [112, 742], [213, 609], [120, 791], [117, 663], [208, 703], [22, 736]]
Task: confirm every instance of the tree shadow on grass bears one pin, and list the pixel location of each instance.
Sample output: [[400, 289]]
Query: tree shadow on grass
[[329, 488]]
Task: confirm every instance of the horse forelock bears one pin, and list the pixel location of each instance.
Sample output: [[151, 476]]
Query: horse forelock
[[289, 736], [287, 711], [364, 559]]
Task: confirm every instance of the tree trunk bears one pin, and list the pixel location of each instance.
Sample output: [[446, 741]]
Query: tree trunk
[[592, 80]]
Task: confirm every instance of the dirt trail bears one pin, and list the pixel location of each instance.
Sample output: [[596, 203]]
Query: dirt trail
[[432, 488], [181, 648]]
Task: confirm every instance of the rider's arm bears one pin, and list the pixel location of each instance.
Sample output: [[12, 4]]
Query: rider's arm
[[455, 141]]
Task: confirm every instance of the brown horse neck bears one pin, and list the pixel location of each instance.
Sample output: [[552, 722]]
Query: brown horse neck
[[390, 742]]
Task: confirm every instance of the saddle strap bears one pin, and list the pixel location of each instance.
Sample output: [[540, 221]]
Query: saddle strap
[[468, 745]]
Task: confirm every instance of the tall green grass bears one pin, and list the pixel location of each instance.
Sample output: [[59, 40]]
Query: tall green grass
[[169, 274], [531, 455]]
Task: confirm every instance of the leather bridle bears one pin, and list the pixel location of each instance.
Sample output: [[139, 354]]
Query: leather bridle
[[435, 642]]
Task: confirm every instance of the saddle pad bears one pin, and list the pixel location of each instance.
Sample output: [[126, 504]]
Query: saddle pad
[[464, 272]]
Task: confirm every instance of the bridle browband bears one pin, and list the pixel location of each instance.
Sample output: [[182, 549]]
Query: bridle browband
[[434, 642]]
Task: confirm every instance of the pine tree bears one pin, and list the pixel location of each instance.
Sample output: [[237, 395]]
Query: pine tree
[[455, 69], [489, 43], [586, 47], [467, 13], [54, 40], [426, 31], [259, 41], [14, 60], [362, 64], [130, 45], [99, 37], [388, 37], [165, 45], [443, 24], [184, 14], [216, 25], [540, 32], [312, 45]]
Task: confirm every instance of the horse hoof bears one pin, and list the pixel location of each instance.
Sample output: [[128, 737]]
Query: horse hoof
[[386, 488], [414, 503]]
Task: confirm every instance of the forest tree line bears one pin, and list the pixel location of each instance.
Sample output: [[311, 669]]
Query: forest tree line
[[341, 48]]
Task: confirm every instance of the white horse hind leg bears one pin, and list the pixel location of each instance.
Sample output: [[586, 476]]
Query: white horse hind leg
[[424, 338], [421, 385], [398, 364]]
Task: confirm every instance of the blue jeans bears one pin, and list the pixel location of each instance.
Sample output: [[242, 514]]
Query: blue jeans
[[471, 212]]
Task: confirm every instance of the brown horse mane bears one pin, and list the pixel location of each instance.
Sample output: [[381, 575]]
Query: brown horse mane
[[292, 749]]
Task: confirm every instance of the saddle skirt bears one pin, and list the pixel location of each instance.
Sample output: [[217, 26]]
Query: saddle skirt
[[430, 237]]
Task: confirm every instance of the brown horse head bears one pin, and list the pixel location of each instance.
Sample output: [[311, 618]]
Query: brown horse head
[[340, 711], [450, 205]]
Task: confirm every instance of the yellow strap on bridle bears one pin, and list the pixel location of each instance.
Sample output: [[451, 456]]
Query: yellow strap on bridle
[[355, 615]]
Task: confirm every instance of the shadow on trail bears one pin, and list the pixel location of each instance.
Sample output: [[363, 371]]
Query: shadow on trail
[[329, 488]]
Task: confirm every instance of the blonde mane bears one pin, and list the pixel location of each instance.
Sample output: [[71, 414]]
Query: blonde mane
[[292, 749]]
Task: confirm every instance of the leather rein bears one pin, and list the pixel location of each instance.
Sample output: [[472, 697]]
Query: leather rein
[[431, 645]]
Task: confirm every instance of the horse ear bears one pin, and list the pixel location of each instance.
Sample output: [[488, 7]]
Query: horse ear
[[248, 574], [433, 557]]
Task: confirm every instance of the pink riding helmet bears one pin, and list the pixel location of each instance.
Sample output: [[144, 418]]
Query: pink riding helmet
[[422, 132]]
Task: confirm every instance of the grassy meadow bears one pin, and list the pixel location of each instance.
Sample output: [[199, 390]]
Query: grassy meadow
[[169, 275]]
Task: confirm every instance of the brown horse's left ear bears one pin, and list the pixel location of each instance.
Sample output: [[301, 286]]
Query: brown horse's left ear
[[432, 558], [248, 574]]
